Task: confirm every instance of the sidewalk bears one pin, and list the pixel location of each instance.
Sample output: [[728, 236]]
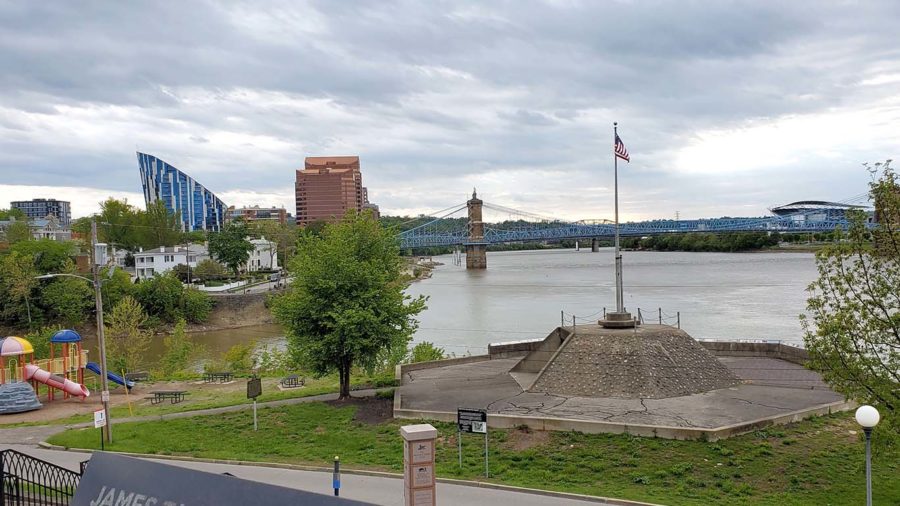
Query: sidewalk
[[375, 489]]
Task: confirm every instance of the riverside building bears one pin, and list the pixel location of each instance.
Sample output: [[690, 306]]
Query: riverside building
[[199, 208], [329, 186]]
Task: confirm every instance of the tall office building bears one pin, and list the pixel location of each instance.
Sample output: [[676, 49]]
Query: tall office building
[[328, 187], [199, 208], [37, 209]]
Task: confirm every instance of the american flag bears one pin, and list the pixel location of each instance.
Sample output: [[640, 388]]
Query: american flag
[[621, 152]]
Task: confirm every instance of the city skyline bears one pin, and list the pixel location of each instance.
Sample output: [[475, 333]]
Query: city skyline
[[725, 110]]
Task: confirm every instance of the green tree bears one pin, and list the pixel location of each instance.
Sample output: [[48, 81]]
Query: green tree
[[17, 275], [196, 305], [160, 227], [426, 352], [230, 246], [178, 351], [68, 300], [49, 256], [40, 341], [6, 214], [18, 231], [209, 269], [127, 339], [161, 296], [853, 328], [347, 303], [164, 297], [116, 286], [119, 223]]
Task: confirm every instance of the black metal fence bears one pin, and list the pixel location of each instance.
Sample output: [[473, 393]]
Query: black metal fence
[[29, 481]]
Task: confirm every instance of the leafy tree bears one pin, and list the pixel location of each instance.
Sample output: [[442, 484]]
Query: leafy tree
[[210, 269], [284, 235], [196, 305], [18, 231], [127, 339], [230, 246], [40, 341], [49, 256], [239, 358], [68, 300], [115, 287], [161, 296], [6, 214], [164, 297], [17, 274], [347, 303], [182, 272], [853, 328], [178, 351], [426, 352], [119, 223], [160, 227]]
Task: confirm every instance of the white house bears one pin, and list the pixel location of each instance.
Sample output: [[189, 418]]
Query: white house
[[43, 228], [263, 257], [163, 259]]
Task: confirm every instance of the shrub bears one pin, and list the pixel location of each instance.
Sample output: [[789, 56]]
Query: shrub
[[426, 352]]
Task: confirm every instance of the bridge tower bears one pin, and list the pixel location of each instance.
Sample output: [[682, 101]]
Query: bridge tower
[[476, 247]]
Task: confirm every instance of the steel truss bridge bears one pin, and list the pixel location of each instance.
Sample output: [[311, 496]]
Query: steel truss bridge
[[445, 230]]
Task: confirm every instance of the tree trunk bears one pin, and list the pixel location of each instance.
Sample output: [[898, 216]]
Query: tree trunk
[[345, 380]]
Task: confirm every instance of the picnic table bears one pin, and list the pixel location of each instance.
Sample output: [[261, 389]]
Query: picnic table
[[221, 377], [159, 396], [292, 381]]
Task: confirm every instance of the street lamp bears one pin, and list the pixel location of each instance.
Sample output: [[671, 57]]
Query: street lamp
[[101, 338], [868, 418]]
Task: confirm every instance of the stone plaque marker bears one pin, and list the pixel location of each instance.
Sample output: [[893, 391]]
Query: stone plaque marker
[[418, 464]]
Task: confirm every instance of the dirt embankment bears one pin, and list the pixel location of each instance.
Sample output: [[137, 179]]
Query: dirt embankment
[[237, 310], [229, 311]]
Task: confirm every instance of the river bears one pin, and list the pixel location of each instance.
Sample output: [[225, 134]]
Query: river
[[521, 294]]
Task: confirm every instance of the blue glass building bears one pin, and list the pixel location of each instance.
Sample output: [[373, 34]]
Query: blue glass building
[[200, 208]]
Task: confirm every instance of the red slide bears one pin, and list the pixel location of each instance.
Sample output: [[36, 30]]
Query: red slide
[[36, 373]]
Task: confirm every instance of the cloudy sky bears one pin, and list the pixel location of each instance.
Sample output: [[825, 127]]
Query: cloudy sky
[[727, 108]]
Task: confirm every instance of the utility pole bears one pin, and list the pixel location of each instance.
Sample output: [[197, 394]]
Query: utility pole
[[98, 297]]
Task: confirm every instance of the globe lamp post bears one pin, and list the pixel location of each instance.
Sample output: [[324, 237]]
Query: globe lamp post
[[868, 418]]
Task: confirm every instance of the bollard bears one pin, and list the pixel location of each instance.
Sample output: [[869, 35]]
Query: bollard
[[418, 464], [336, 478]]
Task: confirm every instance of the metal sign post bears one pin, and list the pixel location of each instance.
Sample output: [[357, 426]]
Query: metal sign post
[[473, 421], [99, 423], [254, 390]]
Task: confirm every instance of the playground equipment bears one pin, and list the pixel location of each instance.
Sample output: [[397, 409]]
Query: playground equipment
[[18, 367], [115, 378]]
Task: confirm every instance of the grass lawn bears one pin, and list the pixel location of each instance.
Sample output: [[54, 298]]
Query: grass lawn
[[815, 462], [204, 398]]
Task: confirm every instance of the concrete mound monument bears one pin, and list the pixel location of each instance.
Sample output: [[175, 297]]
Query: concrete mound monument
[[647, 362]]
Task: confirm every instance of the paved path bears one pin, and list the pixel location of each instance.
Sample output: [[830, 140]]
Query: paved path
[[373, 489]]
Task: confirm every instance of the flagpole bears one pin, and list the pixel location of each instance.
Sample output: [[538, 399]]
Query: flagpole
[[620, 303]]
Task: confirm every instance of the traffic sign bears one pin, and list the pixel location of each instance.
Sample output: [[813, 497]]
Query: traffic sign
[[99, 419]]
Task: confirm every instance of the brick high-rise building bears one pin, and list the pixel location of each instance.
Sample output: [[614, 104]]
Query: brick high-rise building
[[328, 187]]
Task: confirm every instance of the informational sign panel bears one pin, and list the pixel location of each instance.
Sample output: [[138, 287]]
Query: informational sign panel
[[114, 479], [254, 388], [99, 419], [471, 420]]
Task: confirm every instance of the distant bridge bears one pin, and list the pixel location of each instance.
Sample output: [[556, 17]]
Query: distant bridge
[[443, 230]]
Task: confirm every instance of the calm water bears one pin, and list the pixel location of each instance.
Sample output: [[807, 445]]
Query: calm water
[[521, 294]]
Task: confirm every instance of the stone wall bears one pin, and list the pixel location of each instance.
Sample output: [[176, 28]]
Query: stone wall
[[772, 350]]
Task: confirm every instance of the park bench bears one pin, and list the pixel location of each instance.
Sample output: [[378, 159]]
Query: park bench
[[292, 381], [175, 396], [137, 376], [221, 377]]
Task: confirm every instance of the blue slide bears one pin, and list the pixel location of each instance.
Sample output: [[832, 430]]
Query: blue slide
[[115, 378]]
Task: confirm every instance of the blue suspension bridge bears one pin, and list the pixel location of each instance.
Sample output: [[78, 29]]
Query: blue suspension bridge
[[444, 228]]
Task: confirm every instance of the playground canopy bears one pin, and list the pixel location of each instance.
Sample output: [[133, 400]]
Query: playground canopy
[[66, 336], [13, 346]]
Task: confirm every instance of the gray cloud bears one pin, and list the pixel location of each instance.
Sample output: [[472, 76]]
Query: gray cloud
[[517, 97]]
